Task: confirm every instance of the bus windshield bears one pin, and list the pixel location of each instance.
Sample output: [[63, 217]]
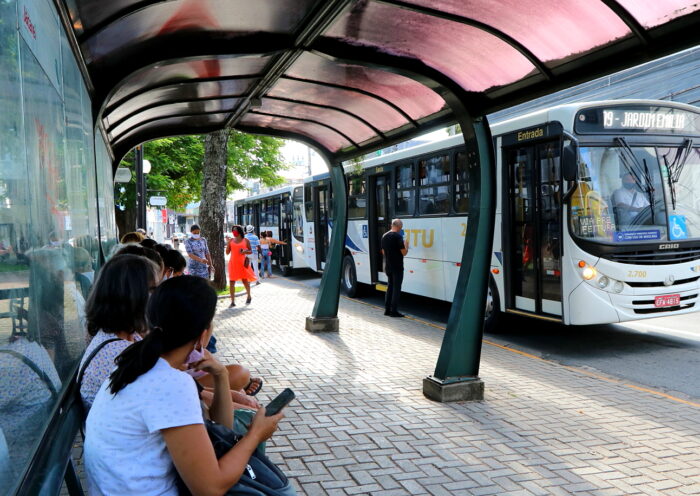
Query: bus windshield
[[628, 195]]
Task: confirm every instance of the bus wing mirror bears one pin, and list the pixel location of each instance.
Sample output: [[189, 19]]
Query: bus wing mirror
[[570, 162]]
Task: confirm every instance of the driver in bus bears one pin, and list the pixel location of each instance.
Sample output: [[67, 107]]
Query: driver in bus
[[628, 200]]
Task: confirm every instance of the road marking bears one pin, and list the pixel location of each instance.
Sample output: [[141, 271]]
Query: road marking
[[535, 357], [694, 336]]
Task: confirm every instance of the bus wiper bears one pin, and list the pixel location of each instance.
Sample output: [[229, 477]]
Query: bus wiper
[[640, 172], [675, 168]]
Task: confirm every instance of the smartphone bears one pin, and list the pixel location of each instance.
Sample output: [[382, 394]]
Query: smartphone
[[280, 402], [402, 233]]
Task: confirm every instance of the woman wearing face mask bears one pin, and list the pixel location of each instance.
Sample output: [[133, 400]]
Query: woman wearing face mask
[[174, 264], [198, 251], [239, 248], [150, 407]]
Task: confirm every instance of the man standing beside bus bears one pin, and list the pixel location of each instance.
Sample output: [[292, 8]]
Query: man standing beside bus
[[255, 247], [394, 248]]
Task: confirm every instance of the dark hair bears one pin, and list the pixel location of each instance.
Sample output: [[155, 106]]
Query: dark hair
[[173, 259], [162, 250], [263, 234], [117, 301], [239, 229], [149, 243], [194, 227], [179, 311], [142, 251]]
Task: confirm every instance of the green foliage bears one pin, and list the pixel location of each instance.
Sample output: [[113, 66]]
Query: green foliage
[[176, 167]]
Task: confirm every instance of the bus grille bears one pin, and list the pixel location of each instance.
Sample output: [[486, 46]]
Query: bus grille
[[655, 257], [683, 306], [658, 284]]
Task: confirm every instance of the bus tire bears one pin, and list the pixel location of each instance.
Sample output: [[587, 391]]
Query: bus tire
[[286, 270], [493, 316], [348, 279]]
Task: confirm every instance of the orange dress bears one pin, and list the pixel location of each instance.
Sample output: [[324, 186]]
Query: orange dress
[[236, 270]]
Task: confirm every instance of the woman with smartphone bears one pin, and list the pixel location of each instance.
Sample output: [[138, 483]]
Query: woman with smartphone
[[149, 406], [239, 268]]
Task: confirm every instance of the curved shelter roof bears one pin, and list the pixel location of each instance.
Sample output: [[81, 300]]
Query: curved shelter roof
[[349, 76]]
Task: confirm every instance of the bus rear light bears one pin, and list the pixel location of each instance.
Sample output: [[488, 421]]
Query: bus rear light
[[458, 264], [495, 271]]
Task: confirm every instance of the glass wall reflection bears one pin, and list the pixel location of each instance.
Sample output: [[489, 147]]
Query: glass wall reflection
[[56, 220]]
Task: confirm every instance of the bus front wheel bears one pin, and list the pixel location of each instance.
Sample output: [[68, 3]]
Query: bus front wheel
[[492, 315], [349, 277]]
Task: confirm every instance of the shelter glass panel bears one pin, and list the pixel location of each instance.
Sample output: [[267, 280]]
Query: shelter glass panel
[[474, 58], [350, 126], [161, 20], [374, 110], [178, 93], [412, 97], [650, 13], [173, 109], [182, 72], [173, 124], [551, 30], [326, 137]]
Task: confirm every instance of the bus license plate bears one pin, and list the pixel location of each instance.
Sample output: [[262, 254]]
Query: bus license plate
[[667, 300]]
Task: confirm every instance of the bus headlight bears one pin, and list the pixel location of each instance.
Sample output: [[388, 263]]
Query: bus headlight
[[603, 282], [588, 273], [299, 248]]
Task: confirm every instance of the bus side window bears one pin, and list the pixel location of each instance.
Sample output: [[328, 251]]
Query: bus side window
[[461, 183]]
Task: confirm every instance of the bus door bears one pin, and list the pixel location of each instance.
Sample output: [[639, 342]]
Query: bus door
[[322, 205], [534, 258], [284, 252], [379, 221]]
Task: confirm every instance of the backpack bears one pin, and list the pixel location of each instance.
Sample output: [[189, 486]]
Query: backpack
[[261, 476]]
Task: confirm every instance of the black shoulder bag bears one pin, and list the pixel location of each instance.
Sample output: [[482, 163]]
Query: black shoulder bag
[[261, 477]]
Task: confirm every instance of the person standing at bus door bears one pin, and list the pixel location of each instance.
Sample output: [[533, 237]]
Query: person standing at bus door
[[394, 248], [266, 238], [255, 251], [198, 252], [628, 200]]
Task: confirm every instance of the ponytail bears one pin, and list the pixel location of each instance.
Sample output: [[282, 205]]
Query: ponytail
[[179, 311], [136, 360]]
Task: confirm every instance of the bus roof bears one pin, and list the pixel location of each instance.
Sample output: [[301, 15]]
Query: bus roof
[[274, 192]]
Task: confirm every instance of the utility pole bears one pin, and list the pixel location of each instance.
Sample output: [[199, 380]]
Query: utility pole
[[140, 188]]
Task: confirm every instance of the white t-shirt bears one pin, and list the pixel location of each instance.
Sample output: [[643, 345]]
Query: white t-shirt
[[631, 197], [125, 452]]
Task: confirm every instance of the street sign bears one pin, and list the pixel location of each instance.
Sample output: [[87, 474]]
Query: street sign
[[158, 201], [123, 175]]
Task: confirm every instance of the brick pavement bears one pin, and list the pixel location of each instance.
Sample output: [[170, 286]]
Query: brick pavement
[[361, 424]]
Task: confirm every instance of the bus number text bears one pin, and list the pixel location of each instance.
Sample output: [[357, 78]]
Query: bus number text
[[637, 273]]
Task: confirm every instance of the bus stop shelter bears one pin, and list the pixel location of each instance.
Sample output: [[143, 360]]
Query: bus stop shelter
[[351, 76]]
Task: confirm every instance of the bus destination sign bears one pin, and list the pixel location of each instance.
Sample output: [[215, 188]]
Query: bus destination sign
[[637, 119]]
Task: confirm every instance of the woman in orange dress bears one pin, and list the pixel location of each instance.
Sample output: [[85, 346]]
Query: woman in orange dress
[[239, 248]]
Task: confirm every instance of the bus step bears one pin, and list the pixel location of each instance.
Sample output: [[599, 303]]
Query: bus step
[[380, 287]]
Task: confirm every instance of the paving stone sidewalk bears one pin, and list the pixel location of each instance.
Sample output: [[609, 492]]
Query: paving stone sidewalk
[[361, 424]]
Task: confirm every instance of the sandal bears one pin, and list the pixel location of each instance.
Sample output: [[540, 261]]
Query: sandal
[[233, 304], [247, 302], [254, 386]]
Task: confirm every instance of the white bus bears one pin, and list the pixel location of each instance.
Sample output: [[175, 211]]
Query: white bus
[[279, 212], [610, 234]]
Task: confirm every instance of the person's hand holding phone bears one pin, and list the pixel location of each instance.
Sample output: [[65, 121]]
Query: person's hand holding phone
[[263, 427]]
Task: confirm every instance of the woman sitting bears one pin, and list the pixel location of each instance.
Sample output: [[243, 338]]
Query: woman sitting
[[116, 308], [146, 421]]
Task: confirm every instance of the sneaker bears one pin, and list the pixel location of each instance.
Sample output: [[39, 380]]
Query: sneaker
[[387, 313], [396, 314]]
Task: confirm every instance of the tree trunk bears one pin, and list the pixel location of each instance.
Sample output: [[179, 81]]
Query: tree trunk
[[212, 210], [126, 220]]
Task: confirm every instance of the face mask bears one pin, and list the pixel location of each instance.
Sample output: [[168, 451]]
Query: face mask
[[196, 236], [629, 185], [90, 275], [194, 357]]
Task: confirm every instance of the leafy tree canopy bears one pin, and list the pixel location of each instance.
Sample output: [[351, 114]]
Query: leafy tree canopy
[[176, 167]]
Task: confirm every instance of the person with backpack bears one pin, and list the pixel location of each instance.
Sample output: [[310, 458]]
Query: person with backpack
[[146, 425]]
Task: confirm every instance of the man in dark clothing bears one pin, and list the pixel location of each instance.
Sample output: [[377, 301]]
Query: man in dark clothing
[[394, 249]]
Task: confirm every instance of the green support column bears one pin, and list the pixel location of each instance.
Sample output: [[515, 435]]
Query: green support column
[[325, 313], [456, 373]]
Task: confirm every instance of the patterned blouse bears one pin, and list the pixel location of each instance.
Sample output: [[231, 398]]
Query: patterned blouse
[[198, 248], [101, 365]]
